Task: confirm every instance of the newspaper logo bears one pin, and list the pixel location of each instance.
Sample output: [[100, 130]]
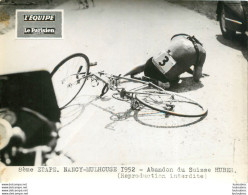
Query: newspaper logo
[[39, 31], [39, 24]]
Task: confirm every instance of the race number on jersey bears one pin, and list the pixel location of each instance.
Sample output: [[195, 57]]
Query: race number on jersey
[[163, 61]]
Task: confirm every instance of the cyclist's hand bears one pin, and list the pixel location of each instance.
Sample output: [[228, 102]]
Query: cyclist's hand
[[164, 85]]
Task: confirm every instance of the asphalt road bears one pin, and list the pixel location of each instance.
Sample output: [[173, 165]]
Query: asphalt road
[[120, 35]]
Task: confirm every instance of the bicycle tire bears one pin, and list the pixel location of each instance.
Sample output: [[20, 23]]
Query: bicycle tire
[[157, 119], [157, 100], [70, 66]]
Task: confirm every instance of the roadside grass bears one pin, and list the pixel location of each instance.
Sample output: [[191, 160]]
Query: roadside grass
[[207, 8]]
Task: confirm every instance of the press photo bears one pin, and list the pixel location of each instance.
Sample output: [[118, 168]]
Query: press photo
[[124, 83]]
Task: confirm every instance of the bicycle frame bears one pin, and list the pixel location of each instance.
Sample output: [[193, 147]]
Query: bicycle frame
[[113, 82], [79, 73]]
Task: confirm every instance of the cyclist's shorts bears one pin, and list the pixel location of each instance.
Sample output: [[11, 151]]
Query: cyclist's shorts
[[153, 72]]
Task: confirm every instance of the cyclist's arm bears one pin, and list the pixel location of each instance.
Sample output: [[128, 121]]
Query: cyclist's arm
[[198, 69], [136, 70]]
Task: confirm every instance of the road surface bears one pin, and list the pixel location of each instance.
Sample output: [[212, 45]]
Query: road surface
[[120, 35]]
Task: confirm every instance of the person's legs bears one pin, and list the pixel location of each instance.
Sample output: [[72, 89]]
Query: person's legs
[[86, 3]]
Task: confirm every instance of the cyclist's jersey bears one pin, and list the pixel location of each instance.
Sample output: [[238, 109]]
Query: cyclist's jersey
[[180, 56]]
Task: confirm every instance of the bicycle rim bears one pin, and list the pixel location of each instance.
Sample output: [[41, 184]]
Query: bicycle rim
[[153, 118], [69, 77], [171, 103]]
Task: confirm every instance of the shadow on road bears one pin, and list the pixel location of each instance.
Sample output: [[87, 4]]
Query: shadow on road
[[148, 117], [187, 84], [73, 111], [238, 43]]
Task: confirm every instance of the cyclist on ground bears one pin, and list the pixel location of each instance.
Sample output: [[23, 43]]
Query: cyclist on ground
[[183, 52]]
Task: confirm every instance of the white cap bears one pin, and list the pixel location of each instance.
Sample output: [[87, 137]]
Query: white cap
[[5, 133]]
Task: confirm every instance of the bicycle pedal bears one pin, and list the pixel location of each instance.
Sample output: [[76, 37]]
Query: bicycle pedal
[[135, 105], [122, 93]]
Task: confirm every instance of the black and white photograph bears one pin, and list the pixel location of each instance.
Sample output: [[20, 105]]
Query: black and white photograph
[[106, 83]]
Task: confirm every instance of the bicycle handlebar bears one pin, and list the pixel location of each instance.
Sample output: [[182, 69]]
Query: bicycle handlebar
[[93, 63]]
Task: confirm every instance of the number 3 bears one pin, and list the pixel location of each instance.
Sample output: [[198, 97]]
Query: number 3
[[166, 59]]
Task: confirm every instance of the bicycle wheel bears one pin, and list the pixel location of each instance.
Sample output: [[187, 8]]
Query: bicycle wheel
[[69, 77], [153, 118], [171, 103]]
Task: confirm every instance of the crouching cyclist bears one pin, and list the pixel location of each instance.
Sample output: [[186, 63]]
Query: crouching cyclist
[[166, 67]]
